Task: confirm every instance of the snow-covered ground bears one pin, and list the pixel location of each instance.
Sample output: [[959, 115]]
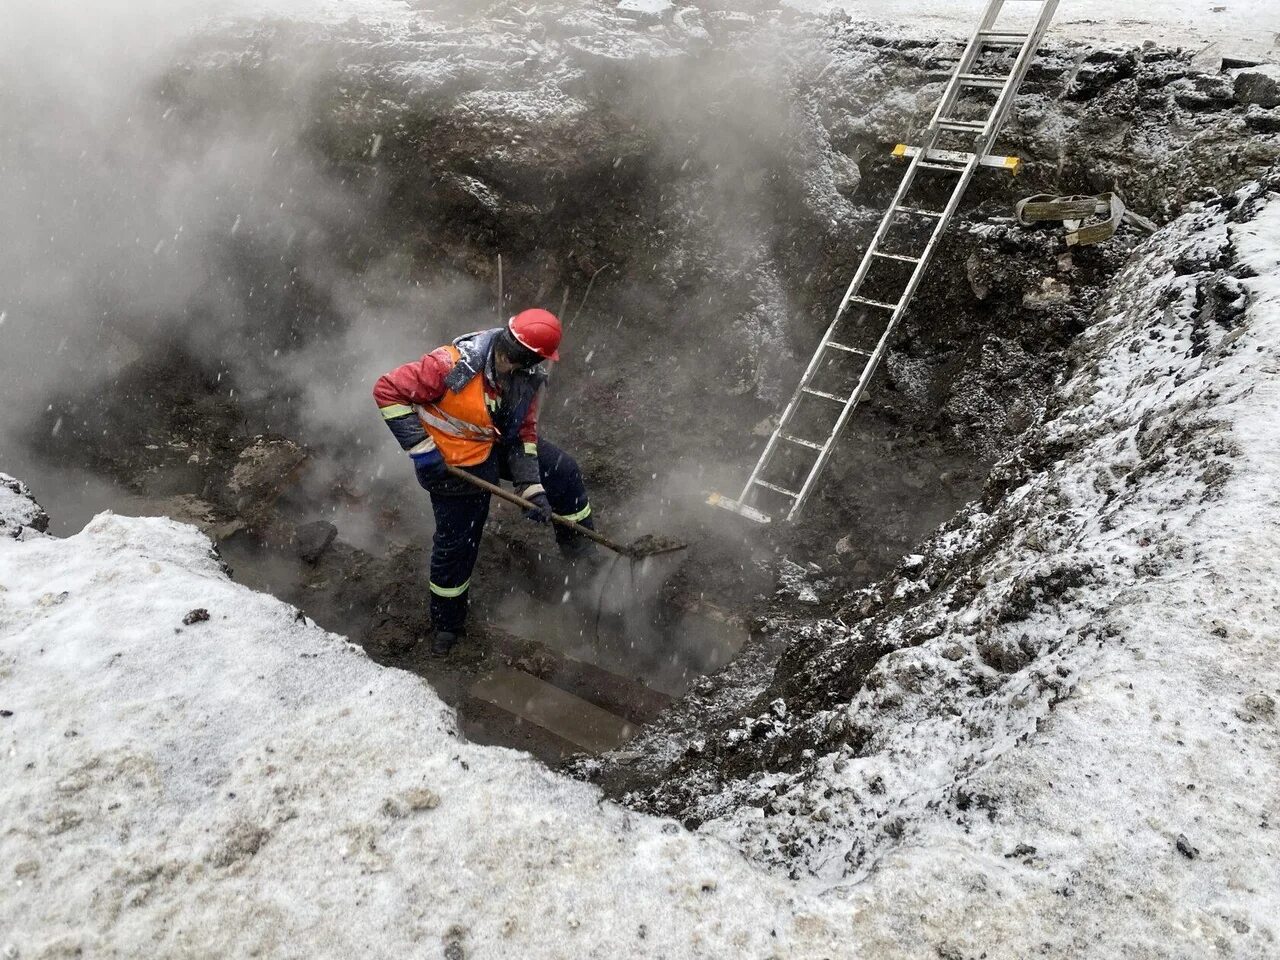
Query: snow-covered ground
[[250, 784], [1150, 793], [1073, 747], [1210, 28]]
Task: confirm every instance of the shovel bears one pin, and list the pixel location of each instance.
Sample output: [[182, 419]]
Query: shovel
[[646, 546]]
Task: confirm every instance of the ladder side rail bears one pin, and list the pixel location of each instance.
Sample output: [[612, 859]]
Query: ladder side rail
[[965, 63], [1022, 64], [917, 275]]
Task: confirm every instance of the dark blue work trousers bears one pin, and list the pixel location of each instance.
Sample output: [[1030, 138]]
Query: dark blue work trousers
[[460, 519]]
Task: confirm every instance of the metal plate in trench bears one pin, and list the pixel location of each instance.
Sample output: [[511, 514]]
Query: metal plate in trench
[[568, 717]]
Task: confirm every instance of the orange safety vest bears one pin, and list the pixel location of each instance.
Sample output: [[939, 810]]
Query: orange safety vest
[[460, 422]]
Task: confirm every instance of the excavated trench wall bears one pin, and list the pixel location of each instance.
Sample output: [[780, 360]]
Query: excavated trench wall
[[693, 200]]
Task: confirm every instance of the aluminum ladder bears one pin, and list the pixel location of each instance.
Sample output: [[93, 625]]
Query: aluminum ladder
[[928, 156]]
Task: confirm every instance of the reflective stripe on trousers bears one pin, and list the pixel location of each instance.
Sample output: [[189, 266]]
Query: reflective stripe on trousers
[[460, 522]]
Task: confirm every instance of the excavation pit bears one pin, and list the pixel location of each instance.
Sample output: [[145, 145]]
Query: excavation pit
[[695, 218]]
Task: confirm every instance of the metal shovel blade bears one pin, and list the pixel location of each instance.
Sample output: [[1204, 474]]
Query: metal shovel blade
[[652, 546]]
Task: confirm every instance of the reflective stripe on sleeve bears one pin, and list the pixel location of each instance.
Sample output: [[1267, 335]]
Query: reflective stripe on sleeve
[[440, 591], [423, 447], [395, 410], [580, 515]]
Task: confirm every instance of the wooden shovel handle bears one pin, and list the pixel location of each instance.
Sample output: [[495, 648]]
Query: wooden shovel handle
[[519, 501]]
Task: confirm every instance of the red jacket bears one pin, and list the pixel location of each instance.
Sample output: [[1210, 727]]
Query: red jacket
[[422, 381]]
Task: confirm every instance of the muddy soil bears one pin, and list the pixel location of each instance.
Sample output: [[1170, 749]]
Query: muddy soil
[[694, 208]]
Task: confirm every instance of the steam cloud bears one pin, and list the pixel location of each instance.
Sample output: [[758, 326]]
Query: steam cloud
[[144, 213]]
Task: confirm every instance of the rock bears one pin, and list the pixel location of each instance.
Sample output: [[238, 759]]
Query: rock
[[311, 540], [846, 175], [263, 471], [1262, 121], [453, 938], [200, 513], [1260, 86], [978, 272], [1257, 706], [1237, 63], [412, 801], [422, 799], [1001, 654], [18, 509], [611, 50], [1052, 293], [647, 11], [198, 615], [1021, 850], [1185, 848]]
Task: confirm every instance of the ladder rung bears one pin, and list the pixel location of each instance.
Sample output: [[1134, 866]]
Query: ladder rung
[[1000, 38], [874, 303], [776, 489], [824, 394], [944, 167], [895, 256], [804, 443], [847, 349], [918, 210], [989, 81], [962, 126], [959, 157]]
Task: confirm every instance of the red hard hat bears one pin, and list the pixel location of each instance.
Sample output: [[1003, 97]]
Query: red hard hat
[[539, 330]]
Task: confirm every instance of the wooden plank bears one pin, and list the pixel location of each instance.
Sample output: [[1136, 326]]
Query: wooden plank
[[568, 717]]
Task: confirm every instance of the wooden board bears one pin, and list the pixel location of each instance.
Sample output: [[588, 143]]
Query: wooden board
[[568, 717]]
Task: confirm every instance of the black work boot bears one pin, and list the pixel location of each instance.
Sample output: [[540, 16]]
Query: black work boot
[[442, 642]]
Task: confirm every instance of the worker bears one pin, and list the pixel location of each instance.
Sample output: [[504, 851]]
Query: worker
[[473, 404]]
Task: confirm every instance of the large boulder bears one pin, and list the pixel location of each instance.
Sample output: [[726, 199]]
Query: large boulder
[[1260, 85], [263, 471]]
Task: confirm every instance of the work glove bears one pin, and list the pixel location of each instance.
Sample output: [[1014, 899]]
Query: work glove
[[540, 512], [429, 465]]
